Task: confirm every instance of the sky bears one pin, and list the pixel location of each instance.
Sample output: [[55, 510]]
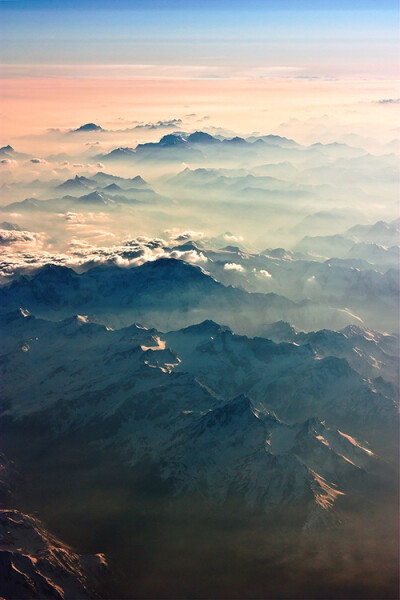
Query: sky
[[201, 39], [62, 57]]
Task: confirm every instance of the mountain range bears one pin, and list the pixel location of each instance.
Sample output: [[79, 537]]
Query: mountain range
[[199, 350]]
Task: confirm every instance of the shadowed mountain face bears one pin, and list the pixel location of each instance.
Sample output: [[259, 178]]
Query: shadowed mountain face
[[201, 417], [166, 293], [199, 351]]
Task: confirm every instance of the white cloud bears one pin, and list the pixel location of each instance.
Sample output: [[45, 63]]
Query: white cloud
[[21, 239], [234, 267], [264, 273], [232, 238], [190, 256], [26, 250]]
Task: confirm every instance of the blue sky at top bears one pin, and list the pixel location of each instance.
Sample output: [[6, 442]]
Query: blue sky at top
[[207, 32], [57, 5]]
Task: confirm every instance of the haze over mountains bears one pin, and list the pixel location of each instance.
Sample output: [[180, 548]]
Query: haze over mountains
[[203, 328]]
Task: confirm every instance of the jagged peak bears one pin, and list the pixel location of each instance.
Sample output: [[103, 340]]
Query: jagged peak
[[173, 265], [137, 330], [201, 137], [171, 140], [88, 127], [188, 246], [122, 150], [93, 197], [54, 272], [207, 326], [78, 179], [113, 186], [138, 179], [236, 140], [352, 330]]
